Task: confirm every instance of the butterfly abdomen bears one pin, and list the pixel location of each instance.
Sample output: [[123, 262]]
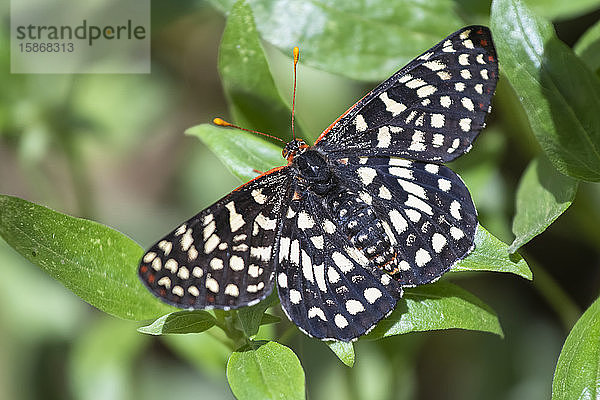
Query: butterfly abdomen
[[362, 227]]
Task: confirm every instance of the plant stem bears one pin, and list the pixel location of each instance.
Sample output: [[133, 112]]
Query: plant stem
[[557, 298]]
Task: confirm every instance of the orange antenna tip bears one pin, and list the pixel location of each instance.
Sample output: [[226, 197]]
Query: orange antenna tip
[[221, 122], [296, 54]]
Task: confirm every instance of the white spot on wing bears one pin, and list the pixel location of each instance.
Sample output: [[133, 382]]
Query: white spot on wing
[[319, 272], [282, 280], [455, 210], [316, 312], [467, 103], [398, 221], [391, 105], [360, 123], [235, 220], [366, 175], [258, 196], [261, 253], [445, 101], [340, 321], [295, 296], [383, 137], [305, 221], [437, 120], [307, 267], [232, 290], [438, 242], [212, 285], [343, 263], [354, 306], [465, 124], [165, 246], [422, 257], [434, 65], [432, 168], [444, 184], [456, 233], [419, 204], [236, 263], [426, 91], [372, 294], [332, 275]]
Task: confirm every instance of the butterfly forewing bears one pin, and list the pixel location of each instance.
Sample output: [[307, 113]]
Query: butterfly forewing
[[430, 110], [221, 257], [428, 211], [326, 286]]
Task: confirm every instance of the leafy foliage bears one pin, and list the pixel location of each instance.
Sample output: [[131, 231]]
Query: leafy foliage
[[265, 370], [558, 92], [440, 305], [97, 263], [383, 35], [553, 192], [562, 112], [578, 367]]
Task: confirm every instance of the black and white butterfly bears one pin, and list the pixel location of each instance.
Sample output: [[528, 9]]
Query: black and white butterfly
[[350, 221]]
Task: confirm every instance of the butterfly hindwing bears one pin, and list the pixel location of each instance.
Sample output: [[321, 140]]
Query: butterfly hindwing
[[427, 208], [326, 286], [221, 257], [431, 110]]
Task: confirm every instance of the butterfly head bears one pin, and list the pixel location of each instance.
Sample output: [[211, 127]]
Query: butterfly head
[[296, 146]]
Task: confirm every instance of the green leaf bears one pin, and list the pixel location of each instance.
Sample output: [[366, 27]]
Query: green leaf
[[267, 319], [344, 351], [265, 370], [251, 317], [439, 305], [561, 9], [577, 374], [96, 262], [588, 47], [491, 254], [249, 87], [552, 193], [180, 322], [560, 95], [363, 41], [241, 152]]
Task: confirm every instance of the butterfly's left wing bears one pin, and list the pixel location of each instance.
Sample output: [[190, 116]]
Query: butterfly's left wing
[[222, 257], [431, 110]]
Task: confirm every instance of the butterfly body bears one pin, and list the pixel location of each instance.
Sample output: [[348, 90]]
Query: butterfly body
[[350, 221]]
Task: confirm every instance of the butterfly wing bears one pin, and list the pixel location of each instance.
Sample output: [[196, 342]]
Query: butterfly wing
[[427, 207], [221, 257], [326, 287], [431, 110]]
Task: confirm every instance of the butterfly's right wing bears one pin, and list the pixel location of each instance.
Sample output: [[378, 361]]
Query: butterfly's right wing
[[221, 257], [431, 110], [326, 286]]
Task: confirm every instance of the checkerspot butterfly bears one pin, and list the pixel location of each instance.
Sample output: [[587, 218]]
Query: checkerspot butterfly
[[350, 221]]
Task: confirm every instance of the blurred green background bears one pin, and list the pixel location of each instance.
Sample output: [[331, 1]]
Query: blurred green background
[[111, 148]]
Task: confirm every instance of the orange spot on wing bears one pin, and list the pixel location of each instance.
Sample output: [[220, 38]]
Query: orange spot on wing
[[143, 269], [151, 278], [484, 42]]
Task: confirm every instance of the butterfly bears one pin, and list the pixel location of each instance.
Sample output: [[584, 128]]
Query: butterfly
[[349, 222]]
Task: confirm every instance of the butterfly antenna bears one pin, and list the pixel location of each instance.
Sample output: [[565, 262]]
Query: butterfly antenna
[[296, 58], [222, 122]]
